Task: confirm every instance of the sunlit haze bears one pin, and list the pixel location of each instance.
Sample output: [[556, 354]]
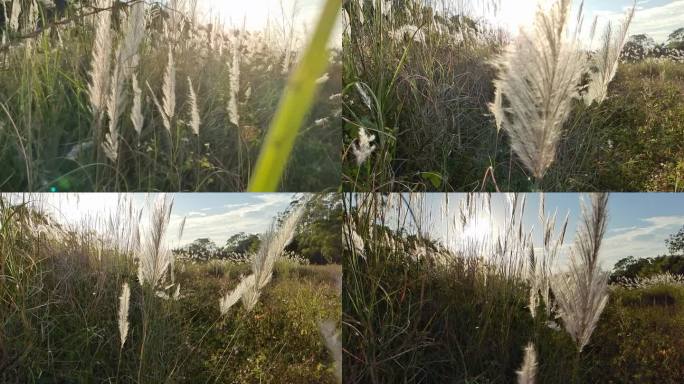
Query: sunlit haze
[[208, 215], [656, 18]]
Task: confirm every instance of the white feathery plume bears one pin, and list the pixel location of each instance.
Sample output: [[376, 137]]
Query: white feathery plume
[[194, 111], [136, 112], [32, 17], [528, 370], [124, 303], [5, 16], [233, 112], [14, 18], [154, 255], [127, 60], [332, 341], [606, 60], [115, 106], [169, 93], [364, 148], [582, 293], [273, 246], [497, 109], [133, 36], [100, 64], [226, 302], [539, 77]]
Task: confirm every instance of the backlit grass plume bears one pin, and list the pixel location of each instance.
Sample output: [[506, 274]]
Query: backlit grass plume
[[606, 60], [582, 293], [100, 64], [528, 370], [154, 256], [273, 246], [539, 76], [124, 303]]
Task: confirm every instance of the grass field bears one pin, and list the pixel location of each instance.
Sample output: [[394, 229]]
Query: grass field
[[424, 88], [417, 311], [187, 108], [62, 292]]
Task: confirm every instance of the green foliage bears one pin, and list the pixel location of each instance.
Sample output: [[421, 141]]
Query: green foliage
[[640, 338], [630, 267], [243, 243], [675, 243]]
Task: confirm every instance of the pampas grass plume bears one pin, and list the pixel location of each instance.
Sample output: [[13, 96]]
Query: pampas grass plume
[[124, 303], [539, 77], [528, 371], [100, 64], [194, 111]]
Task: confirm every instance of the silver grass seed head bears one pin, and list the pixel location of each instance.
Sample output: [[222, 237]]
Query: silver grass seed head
[[124, 303], [528, 370], [194, 111]]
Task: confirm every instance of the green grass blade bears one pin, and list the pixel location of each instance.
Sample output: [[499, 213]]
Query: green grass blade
[[294, 105]]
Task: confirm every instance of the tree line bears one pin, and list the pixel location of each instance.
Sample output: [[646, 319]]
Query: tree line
[[317, 239]]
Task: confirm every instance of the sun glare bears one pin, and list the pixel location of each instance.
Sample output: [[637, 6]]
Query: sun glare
[[478, 230], [256, 15]]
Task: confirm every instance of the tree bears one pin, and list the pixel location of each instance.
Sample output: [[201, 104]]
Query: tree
[[676, 39], [675, 243], [242, 243], [318, 236], [638, 47], [202, 248]]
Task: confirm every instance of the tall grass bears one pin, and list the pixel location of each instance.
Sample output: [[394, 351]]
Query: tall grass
[[88, 302], [456, 104], [67, 87], [481, 304]]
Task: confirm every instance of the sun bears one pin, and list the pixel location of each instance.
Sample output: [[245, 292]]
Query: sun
[[478, 230]]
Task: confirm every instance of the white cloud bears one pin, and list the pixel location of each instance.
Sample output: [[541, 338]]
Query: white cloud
[[641, 241], [93, 210], [657, 22], [253, 217]]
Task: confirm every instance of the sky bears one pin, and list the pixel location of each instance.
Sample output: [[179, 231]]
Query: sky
[[256, 13], [216, 216], [638, 223], [656, 18]]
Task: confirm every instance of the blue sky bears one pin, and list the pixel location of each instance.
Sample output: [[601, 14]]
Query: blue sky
[[656, 18], [638, 223], [213, 215]]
